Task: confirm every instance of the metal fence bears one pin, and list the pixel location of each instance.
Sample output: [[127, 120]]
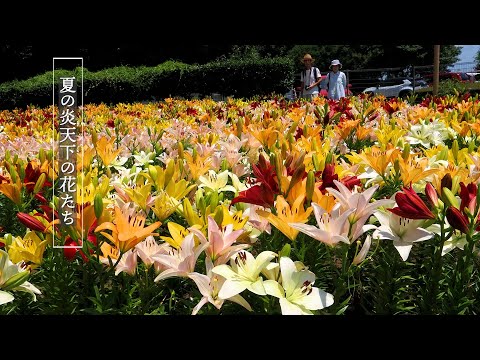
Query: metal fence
[[367, 80]]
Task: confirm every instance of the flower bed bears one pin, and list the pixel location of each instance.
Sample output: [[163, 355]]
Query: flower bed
[[200, 207]]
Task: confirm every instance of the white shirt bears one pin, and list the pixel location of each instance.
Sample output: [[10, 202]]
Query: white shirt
[[309, 80], [337, 83]]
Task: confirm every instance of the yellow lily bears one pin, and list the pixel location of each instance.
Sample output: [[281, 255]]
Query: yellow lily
[[287, 214], [177, 232], [197, 165], [30, 249], [377, 159], [412, 169]]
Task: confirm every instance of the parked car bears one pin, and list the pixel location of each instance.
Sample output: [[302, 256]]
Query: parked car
[[460, 76], [402, 89], [474, 76]]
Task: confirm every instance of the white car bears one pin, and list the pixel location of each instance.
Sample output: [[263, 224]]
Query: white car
[[402, 90]]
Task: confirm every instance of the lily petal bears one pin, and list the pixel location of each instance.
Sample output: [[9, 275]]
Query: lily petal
[[289, 308], [403, 249], [5, 297], [231, 288], [273, 288]]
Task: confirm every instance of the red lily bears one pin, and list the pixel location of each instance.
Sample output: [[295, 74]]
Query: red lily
[[266, 174], [69, 251], [468, 194], [411, 206], [328, 175], [350, 181], [262, 194], [457, 219], [31, 176]]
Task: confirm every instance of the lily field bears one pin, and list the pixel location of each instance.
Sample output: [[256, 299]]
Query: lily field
[[360, 206]]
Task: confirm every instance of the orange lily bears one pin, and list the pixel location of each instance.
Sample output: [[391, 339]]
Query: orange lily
[[127, 230], [105, 150]]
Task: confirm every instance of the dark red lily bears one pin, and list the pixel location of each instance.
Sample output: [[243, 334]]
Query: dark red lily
[[457, 219], [265, 174], [411, 206], [69, 251], [468, 194], [350, 181], [328, 175], [262, 194], [30, 222]]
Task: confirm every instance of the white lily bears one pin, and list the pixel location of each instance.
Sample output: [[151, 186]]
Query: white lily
[[296, 293], [243, 273], [456, 240], [142, 159], [331, 227], [13, 278], [216, 182], [209, 286], [404, 232]]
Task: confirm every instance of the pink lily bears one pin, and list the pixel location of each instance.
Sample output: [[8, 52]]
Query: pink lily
[[219, 243], [331, 227], [360, 202], [180, 262], [149, 247]]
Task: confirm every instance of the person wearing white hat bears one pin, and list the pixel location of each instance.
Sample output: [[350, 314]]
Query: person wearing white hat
[[310, 78], [336, 81]]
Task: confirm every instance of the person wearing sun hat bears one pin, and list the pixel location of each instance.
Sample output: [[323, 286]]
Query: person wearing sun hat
[[310, 78], [336, 81]]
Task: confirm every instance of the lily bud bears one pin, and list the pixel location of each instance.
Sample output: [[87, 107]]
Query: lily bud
[[443, 155], [39, 184], [98, 205], [431, 194], [406, 151], [152, 171], [30, 222], [202, 205], [189, 214], [310, 186], [446, 182], [16, 280], [455, 150], [396, 167], [194, 154], [239, 127], [95, 137], [455, 184], [316, 162], [41, 155], [213, 200], [449, 198], [285, 252], [218, 215], [180, 150], [457, 220]]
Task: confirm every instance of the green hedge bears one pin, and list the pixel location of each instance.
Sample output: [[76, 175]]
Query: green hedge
[[240, 78]]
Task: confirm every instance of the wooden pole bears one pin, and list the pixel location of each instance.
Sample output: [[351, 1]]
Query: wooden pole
[[436, 68]]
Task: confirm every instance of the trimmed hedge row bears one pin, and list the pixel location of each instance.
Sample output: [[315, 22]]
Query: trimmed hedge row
[[240, 78]]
